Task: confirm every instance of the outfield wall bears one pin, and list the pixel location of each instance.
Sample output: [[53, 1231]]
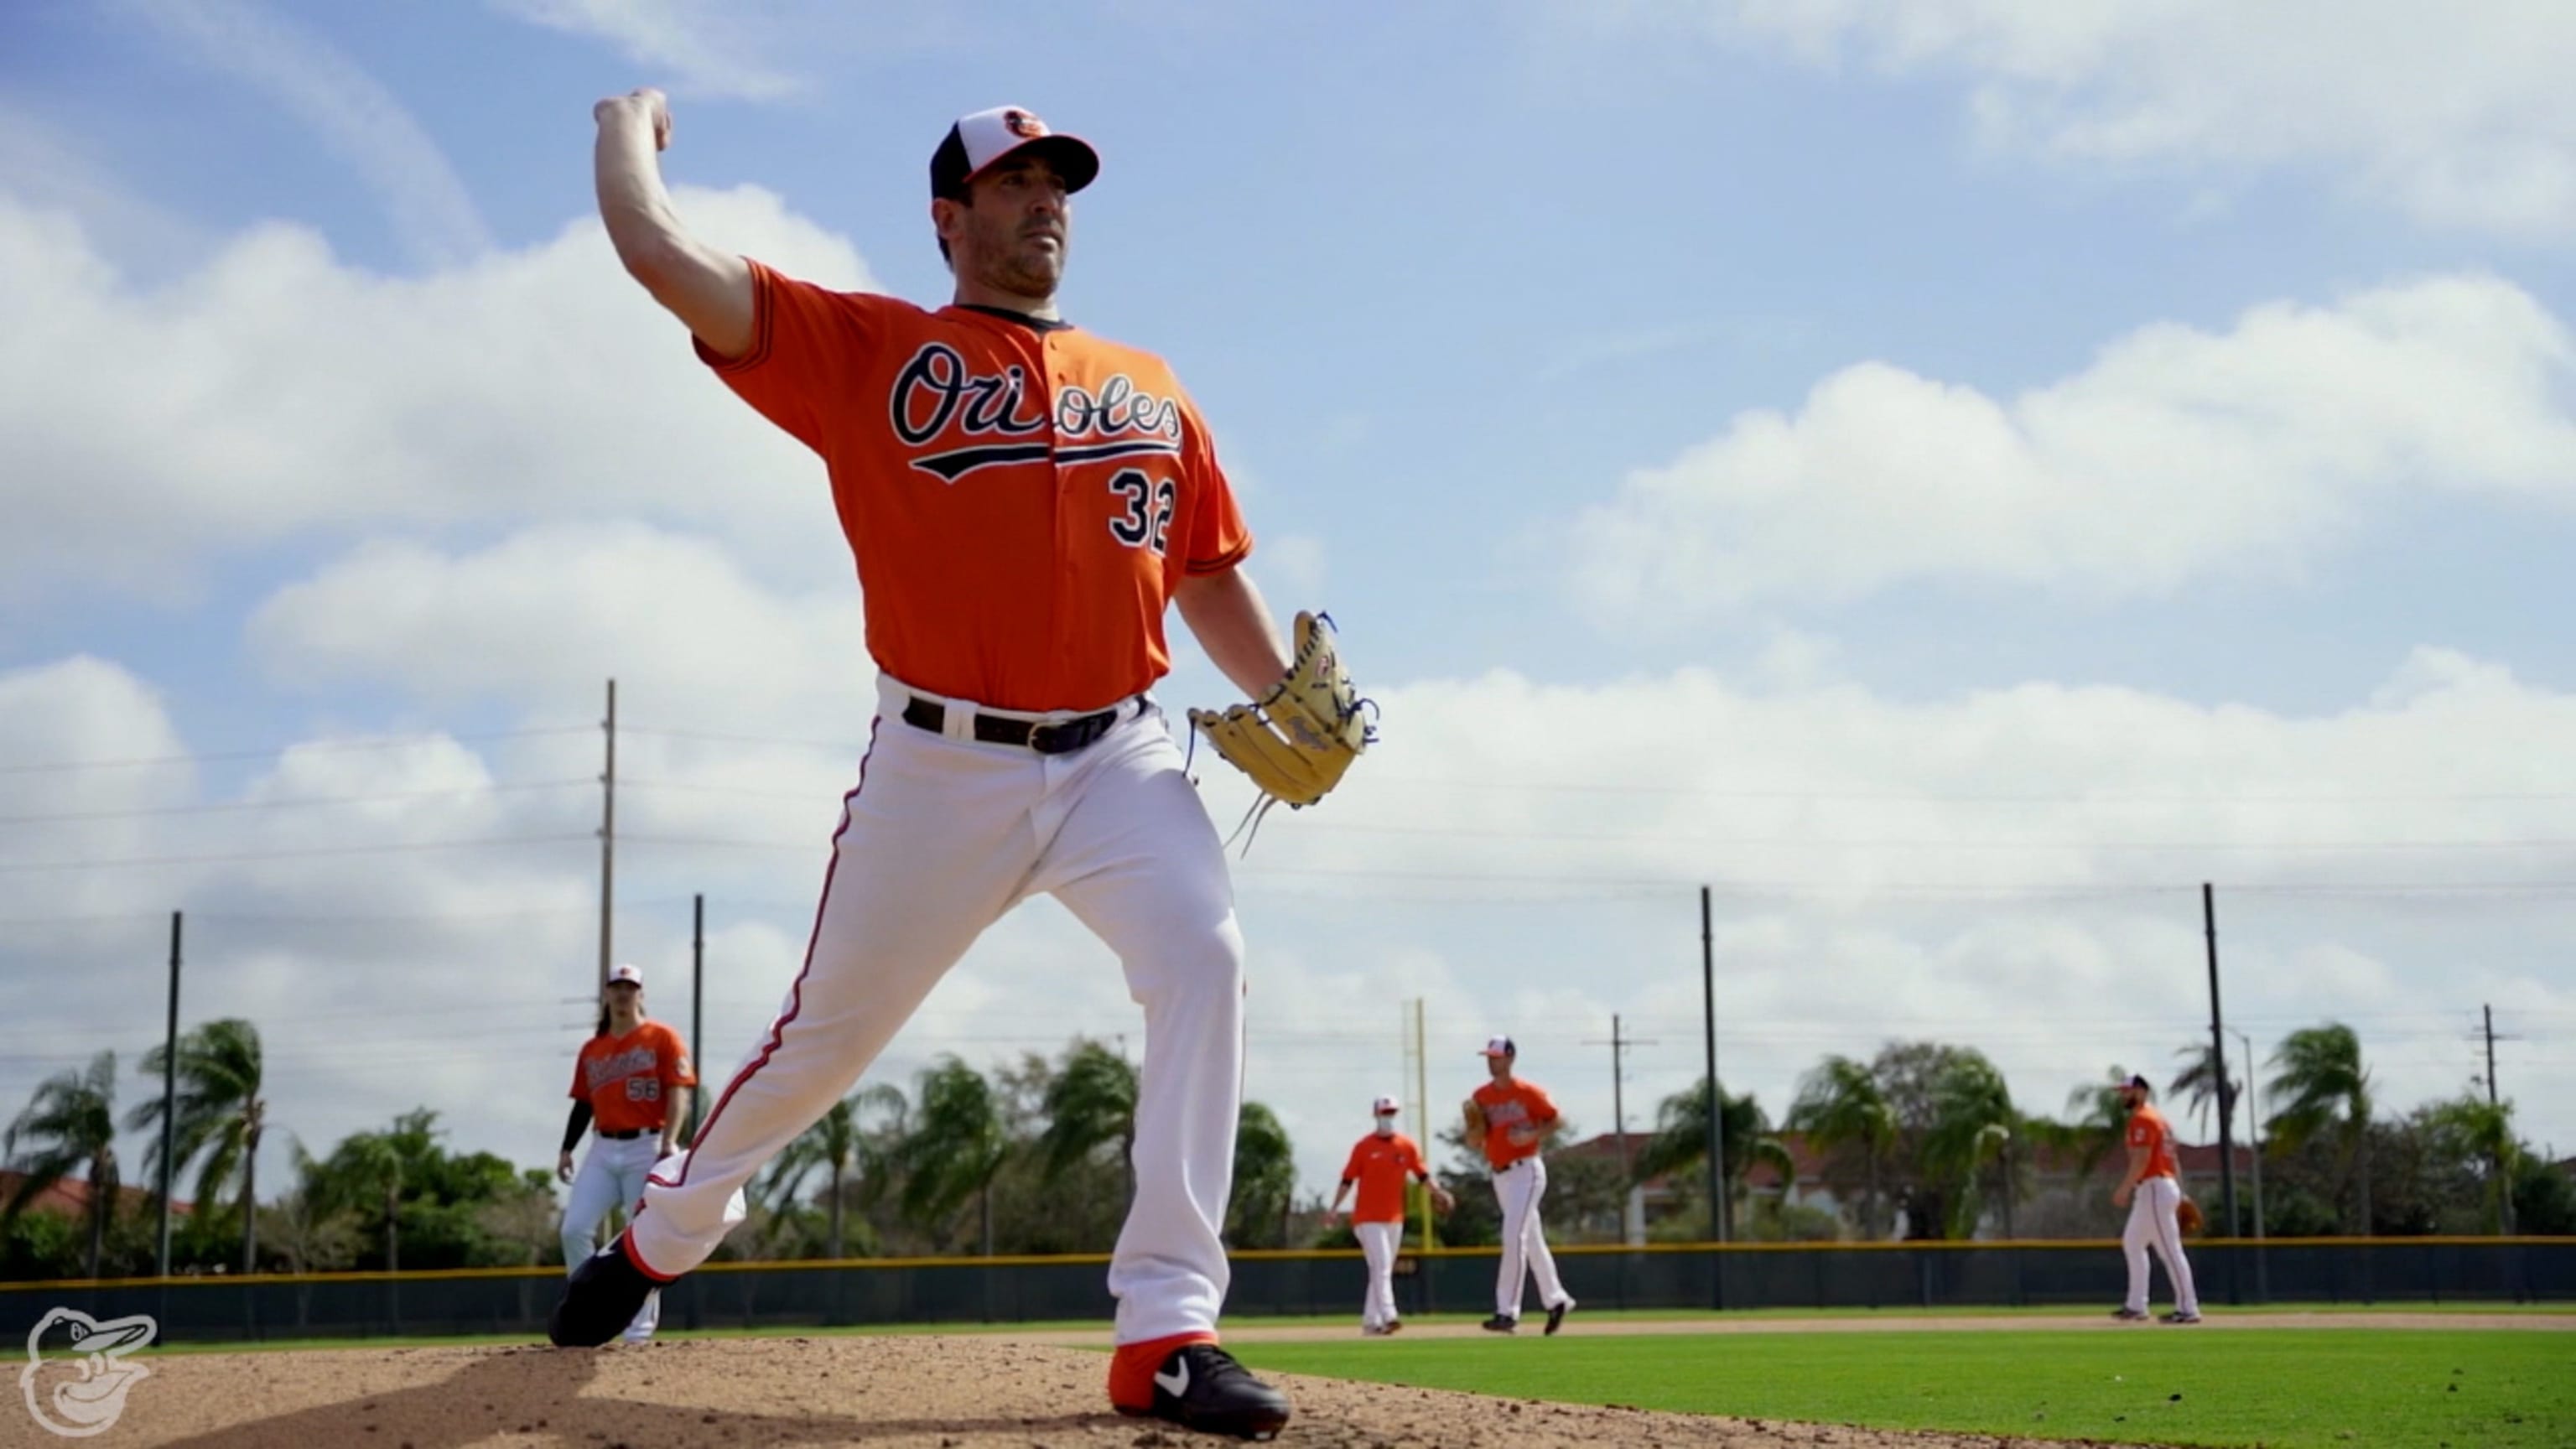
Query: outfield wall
[[514, 1301]]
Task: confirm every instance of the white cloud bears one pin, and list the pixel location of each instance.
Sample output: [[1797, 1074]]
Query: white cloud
[[704, 46], [276, 393], [2458, 115], [346, 108], [48, 167], [568, 602], [2177, 453]]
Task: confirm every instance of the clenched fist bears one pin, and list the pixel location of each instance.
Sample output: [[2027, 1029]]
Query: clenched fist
[[646, 102]]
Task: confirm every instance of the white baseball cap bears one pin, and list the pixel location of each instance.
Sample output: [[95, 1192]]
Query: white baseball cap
[[986, 137], [1384, 1107], [628, 972], [1500, 1046]]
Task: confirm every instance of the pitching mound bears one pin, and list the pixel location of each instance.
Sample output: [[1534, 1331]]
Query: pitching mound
[[885, 1393]]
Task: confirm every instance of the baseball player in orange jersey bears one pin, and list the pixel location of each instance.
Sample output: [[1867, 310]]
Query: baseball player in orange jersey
[[627, 1081], [1380, 1162], [2152, 1192], [1023, 501], [1512, 1119]]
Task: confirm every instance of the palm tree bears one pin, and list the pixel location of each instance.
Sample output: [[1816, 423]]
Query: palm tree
[[2101, 1122], [1265, 1177], [366, 1171], [220, 1117], [835, 1143], [1680, 1142], [2324, 1086], [1840, 1104], [1974, 1123], [1090, 1102], [313, 1233], [955, 1147], [2485, 1132], [2202, 1081], [70, 1122]]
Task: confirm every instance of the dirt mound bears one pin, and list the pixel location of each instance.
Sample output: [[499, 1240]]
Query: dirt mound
[[894, 1392]]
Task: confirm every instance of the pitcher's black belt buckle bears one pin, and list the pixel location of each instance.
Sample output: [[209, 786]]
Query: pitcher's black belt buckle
[[629, 1135], [1060, 738]]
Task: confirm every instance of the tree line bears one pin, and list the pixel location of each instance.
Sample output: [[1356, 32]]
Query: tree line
[[1922, 1140], [1031, 1157]]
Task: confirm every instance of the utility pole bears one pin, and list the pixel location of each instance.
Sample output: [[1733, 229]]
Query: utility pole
[[2218, 1058], [1422, 1113], [169, 1097], [2495, 1103], [1619, 1043], [2492, 1096], [1716, 1108], [1631, 1213], [697, 1008], [607, 834]]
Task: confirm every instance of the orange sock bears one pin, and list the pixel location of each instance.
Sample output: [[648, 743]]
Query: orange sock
[[1133, 1366]]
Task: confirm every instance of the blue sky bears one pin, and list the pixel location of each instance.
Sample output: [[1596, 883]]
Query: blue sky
[[1954, 477]]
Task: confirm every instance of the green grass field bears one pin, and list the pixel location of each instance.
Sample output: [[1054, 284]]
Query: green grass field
[[2285, 1389]]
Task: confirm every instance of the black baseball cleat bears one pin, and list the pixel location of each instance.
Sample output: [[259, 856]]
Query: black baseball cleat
[[605, 1294], [2129, 1315], [2178, 1316], [1201, 1387], [1499, 1324], [1556, 1316]]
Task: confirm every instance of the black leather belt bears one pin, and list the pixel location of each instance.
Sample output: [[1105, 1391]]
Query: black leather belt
[[1060, 738], [629, 1135]]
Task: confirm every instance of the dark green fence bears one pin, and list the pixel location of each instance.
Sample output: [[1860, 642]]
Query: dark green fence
[[1024, 1290]]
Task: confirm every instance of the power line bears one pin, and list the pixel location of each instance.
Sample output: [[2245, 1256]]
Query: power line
[[384, 742], [292, 802], [232, 857]]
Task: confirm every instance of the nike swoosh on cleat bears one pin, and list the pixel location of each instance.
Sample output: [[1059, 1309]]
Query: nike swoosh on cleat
[[1176, 1382]]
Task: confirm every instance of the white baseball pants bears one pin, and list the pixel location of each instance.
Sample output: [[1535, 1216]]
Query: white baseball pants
[[2152, 1223], [611, 1176], [1378, 1244], [1519, 1188], [942, 836]]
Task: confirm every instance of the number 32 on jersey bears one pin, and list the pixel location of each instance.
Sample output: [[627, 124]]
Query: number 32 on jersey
[[1147, 521]]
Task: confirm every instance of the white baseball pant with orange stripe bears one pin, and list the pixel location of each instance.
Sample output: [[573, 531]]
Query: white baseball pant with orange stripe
[[1518, 1188], [2153, 1222], [611, 1177], [942, 836]]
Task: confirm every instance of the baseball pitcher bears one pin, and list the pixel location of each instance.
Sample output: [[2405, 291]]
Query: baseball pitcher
[[1509, 1119], [627, 1081], [2152, 1192], [1380, 1162], [1024, 501]]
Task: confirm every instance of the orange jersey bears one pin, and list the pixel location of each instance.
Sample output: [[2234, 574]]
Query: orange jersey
[[2148, 1129], [1516, 1117], [628, 1080], [1021, 497], [1379, 1165]]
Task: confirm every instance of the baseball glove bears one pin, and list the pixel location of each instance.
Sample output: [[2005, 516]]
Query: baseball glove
[[1296, 741], [1475, 1124], [2187, 1214]]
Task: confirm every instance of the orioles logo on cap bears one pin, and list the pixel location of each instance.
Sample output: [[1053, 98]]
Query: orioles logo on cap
[[1021, 123]]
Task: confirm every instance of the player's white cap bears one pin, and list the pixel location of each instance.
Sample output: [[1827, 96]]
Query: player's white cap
[[628, 972], [1500, 1046], [1384, 1107], [980, 140]]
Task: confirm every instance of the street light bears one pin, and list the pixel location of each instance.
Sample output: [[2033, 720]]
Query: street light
[[2253, 1127], [2254, 1130]]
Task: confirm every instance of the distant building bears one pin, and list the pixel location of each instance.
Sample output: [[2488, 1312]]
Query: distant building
[[70, 1197]]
